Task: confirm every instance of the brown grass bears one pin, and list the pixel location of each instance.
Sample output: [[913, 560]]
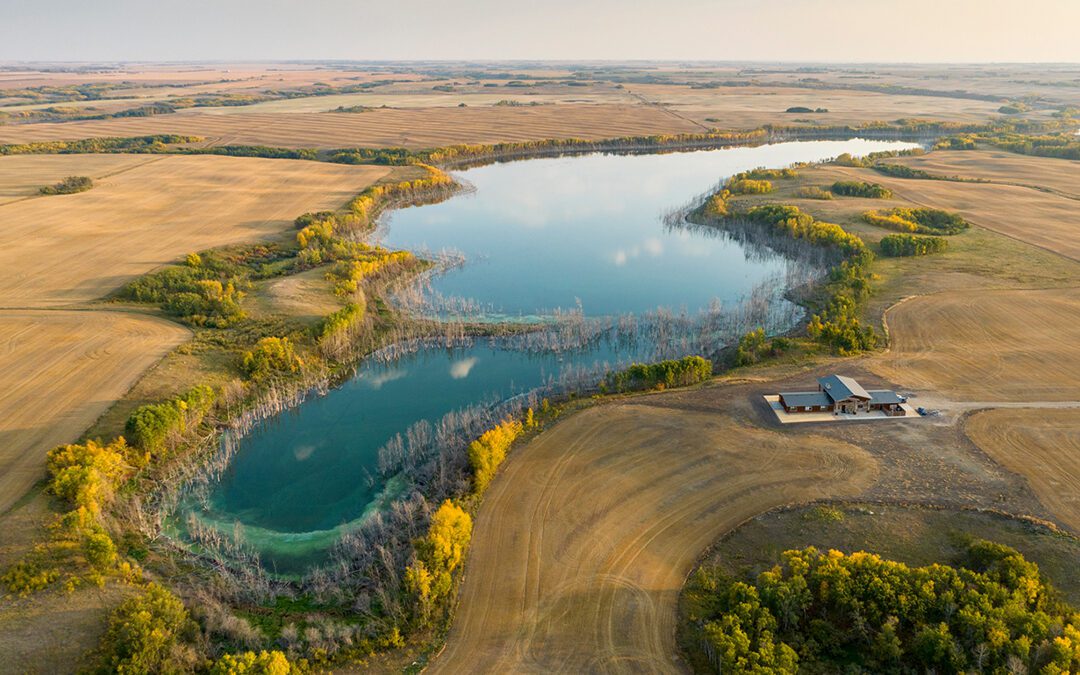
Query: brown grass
[[1012, 345], [59, 371], [1041, 445], [75, 248], [582, 544], [414, 128]]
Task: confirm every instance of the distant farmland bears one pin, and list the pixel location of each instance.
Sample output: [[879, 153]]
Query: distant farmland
[[414, 128]]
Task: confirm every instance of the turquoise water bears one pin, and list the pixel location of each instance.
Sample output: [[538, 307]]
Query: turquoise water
[[573, 232]]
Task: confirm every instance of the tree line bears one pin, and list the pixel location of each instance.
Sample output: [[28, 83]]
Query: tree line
[[829, 612], [835, 320]]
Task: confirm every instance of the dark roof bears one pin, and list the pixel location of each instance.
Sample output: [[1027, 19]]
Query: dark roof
[[883, 396], [805, 398], [839, 387]]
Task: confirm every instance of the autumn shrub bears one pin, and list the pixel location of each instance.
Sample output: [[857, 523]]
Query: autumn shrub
[[853, 188], [347, 275], [68, 186], [488, 452], [271, 356], [813, 192], [746, 186], [754, 346], [429, 580], [149, 633], [256, 663], [152, 427], [205, 291], [338, 330], [899, 245], [660, 375], [918, 220]]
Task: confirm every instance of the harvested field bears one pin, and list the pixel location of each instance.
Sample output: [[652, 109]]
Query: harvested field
[[22, 175], [747, 107], [384, 96], [76, 248], [1005, 345], [60, 370], [1043, 446], [583, 542], [419, 128], [1055, 175], [1043, 219]]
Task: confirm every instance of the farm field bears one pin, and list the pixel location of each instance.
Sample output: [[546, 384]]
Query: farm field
[[22, 175], [60, 370], [747, 107], [1007, 345], [1047, 220], [1043, 446], [413, 128], [582, 544], [155, 212], [1058, 175]]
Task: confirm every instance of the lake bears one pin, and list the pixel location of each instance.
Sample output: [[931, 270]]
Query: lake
[[581, 233]]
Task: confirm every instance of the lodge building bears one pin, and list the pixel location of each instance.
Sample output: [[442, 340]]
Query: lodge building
[[839, 394]]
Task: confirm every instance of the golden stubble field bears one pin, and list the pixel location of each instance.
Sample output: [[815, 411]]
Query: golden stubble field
[[1043, 445], [1045, 173], [412, 128], [68, 249], [60, 370], [987, 346], [583, 542]]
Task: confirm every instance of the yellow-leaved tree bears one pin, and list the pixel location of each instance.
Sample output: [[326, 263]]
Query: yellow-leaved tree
[[430, 578]]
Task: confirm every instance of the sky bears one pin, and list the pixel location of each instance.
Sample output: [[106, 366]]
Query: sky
[[709, 30]]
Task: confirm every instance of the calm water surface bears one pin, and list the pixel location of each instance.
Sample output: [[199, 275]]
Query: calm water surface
[[536, 235]]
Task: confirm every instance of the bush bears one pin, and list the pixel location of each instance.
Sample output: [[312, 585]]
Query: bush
[[429, 580], [205, 291], [149, 633], [852, 188], [813, 192], [488, 452], [86, 475], [746, 186], [154, 426], [271, 355], [68, 186], [922, 221], [898, 245], [252, 663], [660, 375]]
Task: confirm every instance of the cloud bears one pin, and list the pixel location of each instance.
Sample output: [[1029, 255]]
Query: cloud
[[303, 452], [459, 370], [376, 381]]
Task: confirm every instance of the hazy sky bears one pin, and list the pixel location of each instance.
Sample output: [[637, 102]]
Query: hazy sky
[[803, 30]]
